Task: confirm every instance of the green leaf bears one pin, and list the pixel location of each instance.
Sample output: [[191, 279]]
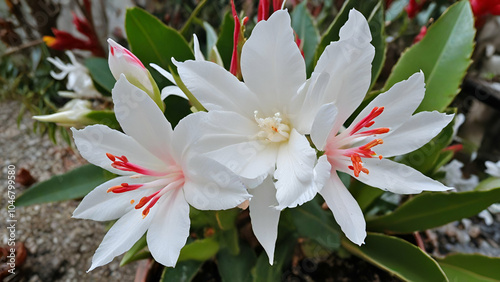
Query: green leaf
[[236, 268], [184, 271], [313, 222], [176, 108], [153, 42], [398, 257], [303, 25], [365, 195], [488, 184], [433, 209], [71, 185], [470, 267], [229, 240], [130, 255], [227, 218], [107, 118], [373, 12], [443, 55], [200, 250], [100, 73], [185, 29], [225, 42]]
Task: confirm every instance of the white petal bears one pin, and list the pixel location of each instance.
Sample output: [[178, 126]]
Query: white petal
[[322, 172], [264, 216], [492, 168], [305, 105], [141, 119], [163, 72], [230, 139], [216, 88], [345, 209], [172, 90], [295, 172], [348, 63], [211, 186], [271, 63], [101, 206], [121, 237], [323, 125], [93, 142], [186, 135], [169, 229], [413, 134], [399, 103], [397, 178], [198, 55]]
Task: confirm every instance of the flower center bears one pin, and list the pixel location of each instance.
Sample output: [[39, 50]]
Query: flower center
[[355, 155], [171, 179], [272, 128]]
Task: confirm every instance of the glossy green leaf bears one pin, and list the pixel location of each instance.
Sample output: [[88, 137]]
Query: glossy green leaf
[[227, 218], [236, 268], [229, 240], [107, 118], [488, 184], [433, 209], [184, 271], [130, 255], [373, 12], [200, 250], [398, 257], [303, 25], [71, 185], [470, 267], [176, 108], [315, 223], [443, 55], [153, 42], [225, 41], [185, 30], [100, 73], [365, 195]]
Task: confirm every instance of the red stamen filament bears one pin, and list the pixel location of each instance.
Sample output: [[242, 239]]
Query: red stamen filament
[[357, 165], [124, 187], [123, 164], [368, 120]]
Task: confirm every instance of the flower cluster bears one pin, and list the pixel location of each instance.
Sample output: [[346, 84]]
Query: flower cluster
[[259, 140]]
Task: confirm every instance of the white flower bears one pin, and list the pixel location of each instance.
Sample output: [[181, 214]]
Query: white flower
[[257, 128], [386, 127], [454, 177], [492, 168], [79, 80], [161, 173], [74, 113]]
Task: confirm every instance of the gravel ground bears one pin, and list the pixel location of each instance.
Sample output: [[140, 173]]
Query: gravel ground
[[59, 248]]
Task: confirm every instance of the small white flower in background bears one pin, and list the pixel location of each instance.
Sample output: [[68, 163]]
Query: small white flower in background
[[455, 178], [385, 128], [492, 168], [122, 61], [257, 127], [74, 113], [161, 175], [79, 81]]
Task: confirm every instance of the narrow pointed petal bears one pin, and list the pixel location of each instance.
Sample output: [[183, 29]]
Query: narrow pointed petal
[[141, 119], [163, 72], [101, 206], [93, 142], [169, 229], [198, 55], [295, 172], [216, 88], [399, 103], [413, 134], [271, 63], [121, 237], [265, 217], [323, 125], [172, 90], [348, 63], [211, 186], [345, 209], [397, 178]]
